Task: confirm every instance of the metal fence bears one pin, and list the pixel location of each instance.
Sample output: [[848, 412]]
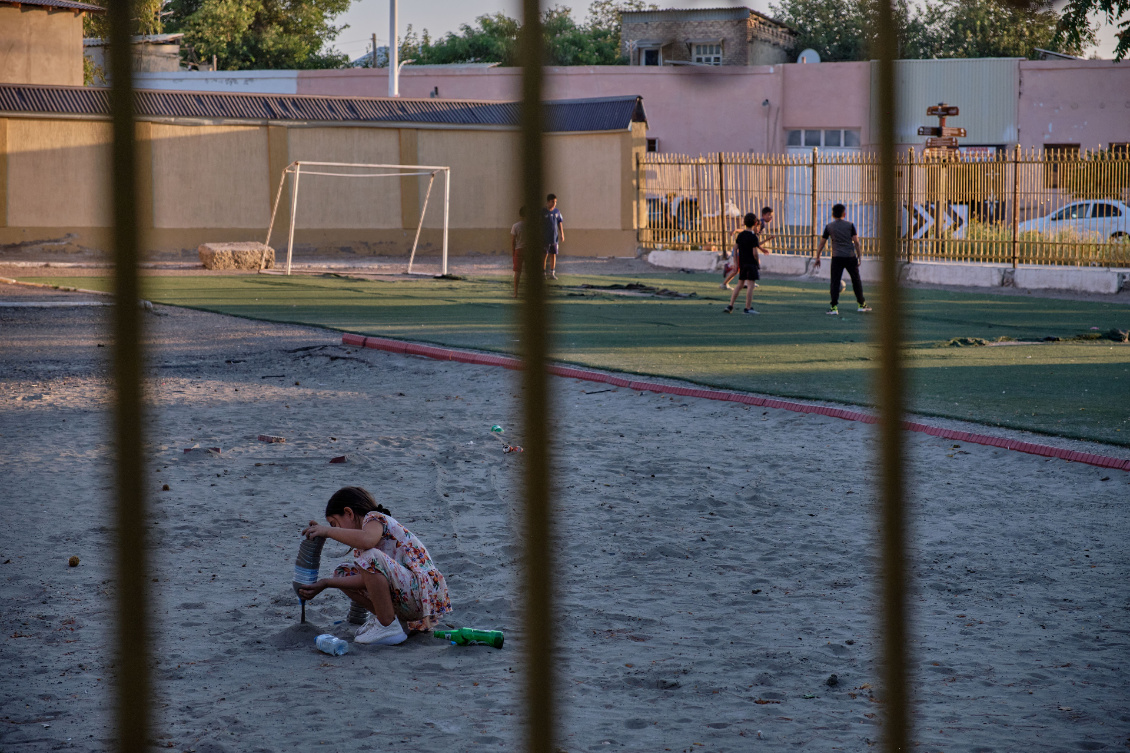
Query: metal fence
[[1018, 207]]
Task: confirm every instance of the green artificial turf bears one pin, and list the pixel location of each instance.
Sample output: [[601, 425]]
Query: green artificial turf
[[1070, 388]]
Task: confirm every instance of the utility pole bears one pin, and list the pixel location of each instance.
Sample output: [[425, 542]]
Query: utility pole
[[373, 59], [393, 51]]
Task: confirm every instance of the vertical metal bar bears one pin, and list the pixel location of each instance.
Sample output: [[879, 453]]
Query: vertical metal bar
[[446, 213], [393, 49], [293, 212], [1016, 207], [910, 165], [815, 231], [896, 684], [723, 240], [535, 328], [636, 205], [132, 686]]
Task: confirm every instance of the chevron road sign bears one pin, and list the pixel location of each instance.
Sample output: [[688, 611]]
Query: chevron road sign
[[918, 221]]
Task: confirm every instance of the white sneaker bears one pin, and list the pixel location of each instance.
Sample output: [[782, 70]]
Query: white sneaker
[[553, 275], [382, 635]]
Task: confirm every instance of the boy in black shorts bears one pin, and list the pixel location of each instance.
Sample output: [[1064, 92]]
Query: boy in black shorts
[[749, 269]]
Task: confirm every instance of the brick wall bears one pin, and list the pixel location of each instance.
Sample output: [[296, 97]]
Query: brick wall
[[751, 41]]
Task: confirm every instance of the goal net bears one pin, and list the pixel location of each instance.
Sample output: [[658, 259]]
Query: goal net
[[360, 170]]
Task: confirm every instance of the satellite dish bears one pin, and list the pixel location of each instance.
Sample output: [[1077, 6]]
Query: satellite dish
[[809, 56]]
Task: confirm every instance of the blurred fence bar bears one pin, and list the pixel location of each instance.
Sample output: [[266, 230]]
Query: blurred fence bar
[[132, 684], [534, 328], [1010, 207]]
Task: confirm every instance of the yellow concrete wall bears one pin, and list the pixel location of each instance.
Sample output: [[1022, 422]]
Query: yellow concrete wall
[[204, 183], [584, 171], [58, 173], [325, 202], [210, 176], [484, 190], [40, 46]]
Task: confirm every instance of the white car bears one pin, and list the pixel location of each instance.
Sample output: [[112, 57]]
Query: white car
[[1104, 218]]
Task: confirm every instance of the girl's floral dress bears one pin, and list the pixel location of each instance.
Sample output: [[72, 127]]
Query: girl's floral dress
[[419, 591]]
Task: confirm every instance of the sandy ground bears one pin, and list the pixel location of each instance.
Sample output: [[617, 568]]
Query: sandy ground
[[716, 563]]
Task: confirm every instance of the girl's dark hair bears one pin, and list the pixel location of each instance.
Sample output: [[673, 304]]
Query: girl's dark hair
[[356, 499]]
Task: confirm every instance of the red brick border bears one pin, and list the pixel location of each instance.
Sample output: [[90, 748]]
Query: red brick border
[[485, 359]]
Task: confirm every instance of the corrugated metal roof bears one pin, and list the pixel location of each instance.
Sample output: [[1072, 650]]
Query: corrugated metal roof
[[601, 114], [986, 91], [65, 4]]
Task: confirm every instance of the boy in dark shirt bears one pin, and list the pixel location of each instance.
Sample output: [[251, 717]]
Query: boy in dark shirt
[[846, 253], [749, 268]]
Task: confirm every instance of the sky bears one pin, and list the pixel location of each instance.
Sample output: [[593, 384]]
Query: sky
[[366, 17]]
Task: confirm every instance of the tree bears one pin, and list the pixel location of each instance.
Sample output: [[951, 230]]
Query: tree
[[1075, 29], [261, 34], [494, 38], [846, 29], [97, 26], [991, 28]]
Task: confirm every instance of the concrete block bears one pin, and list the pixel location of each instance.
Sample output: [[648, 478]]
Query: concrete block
[[948, 273], [1082, 279], [784, 264], [236, 256], [700, 261]]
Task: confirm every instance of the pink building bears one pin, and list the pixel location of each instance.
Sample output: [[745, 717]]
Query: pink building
[[795, 107], [771, 108]]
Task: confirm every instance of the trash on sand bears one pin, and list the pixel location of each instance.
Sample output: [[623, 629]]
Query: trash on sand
[[511, 448], [338, 459], [496, 429], [73, 561], [270, 439]]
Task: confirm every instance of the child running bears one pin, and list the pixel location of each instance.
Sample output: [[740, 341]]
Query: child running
[[730, 271], [748, 265], [391, 575]]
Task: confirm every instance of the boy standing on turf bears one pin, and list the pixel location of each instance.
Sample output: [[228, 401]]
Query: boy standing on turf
[[517, 244], [554, 233], [846, 253], [748, 265]]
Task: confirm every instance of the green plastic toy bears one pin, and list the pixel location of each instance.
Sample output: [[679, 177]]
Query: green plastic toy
[[471, 637]]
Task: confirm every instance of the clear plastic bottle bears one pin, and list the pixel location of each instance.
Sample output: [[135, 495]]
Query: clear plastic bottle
[[331, 644]]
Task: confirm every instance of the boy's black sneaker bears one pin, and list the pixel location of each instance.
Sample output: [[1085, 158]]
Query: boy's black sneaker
[[748, 311], [728, 310]]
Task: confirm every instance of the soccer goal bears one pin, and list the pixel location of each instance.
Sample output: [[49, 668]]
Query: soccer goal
[[349, 170]]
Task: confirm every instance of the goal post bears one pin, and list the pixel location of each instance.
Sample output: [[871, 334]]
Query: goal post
[[338, 170]]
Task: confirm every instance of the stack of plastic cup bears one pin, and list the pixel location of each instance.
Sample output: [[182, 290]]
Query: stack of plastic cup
[[357, 614], [307, 562]]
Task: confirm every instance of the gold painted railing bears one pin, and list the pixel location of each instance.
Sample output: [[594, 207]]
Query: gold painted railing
[[1018, 207]]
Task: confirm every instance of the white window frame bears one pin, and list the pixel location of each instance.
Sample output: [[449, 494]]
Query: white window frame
[[711, 56], [823, 145]]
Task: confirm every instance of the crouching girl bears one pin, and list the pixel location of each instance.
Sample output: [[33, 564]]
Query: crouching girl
[[391, 575]]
